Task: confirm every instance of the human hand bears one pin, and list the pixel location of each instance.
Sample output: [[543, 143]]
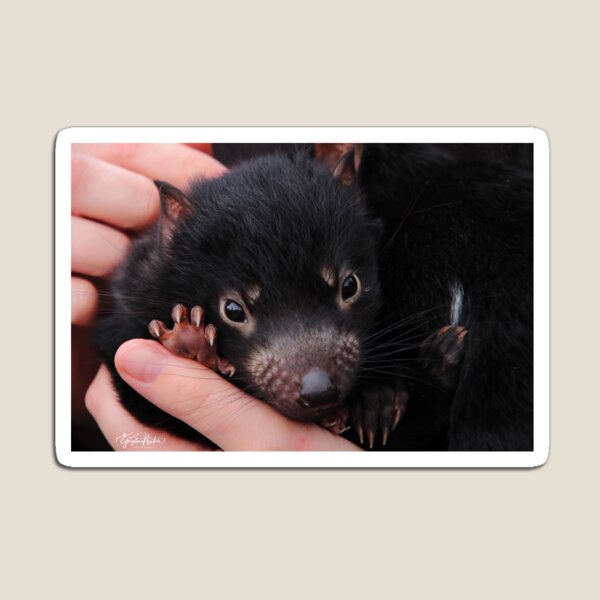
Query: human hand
[[112, 193], [199, 397], [112, 197]]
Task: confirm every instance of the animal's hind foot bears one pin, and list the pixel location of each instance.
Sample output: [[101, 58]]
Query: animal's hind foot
[[376, 411], [191, 338], [441, 355]]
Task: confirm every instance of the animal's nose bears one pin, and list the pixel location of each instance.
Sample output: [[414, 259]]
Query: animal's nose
[[317, 389]]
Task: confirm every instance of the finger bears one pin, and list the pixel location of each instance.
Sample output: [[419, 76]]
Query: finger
[[198, 396], [96, 249], [175, 163], [109, 193], [121, 429], [84, 301]]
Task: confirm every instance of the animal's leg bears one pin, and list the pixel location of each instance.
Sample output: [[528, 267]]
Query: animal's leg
[[440, 357], [377, 410]]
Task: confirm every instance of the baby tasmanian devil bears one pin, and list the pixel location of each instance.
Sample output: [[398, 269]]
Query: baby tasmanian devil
[[269, 275]]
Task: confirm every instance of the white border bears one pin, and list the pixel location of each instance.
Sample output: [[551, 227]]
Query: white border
[[69, 136]]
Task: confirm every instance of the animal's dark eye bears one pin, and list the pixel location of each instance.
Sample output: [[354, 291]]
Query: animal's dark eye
[[234, 312], [350, 287]]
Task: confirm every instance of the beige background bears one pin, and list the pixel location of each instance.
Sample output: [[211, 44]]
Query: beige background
[[284, 534]]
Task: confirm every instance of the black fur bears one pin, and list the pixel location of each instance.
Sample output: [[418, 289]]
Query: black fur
[[453, 221], [275, 221]]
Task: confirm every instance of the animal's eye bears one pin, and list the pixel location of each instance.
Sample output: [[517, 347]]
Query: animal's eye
[[350, 287], [234, 312]]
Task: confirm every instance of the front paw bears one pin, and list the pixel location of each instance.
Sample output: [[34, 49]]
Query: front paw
[[191, 338], [440, 356], [377, 410]]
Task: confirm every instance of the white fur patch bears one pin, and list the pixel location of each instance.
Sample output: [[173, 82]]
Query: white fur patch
[[457, 294]]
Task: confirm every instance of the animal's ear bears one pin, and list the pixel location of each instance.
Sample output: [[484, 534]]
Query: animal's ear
[[174, 205], [343, 159]]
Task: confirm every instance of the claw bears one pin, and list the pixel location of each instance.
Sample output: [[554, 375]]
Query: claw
[[210, 334], [157, 328], [361, 435], [179, 313], [197, 315], [444, 330], [338, 422], [385, 435], [225, 367], [371, 436]]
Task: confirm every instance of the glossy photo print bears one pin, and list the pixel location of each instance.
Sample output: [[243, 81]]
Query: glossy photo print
[[323, 297]]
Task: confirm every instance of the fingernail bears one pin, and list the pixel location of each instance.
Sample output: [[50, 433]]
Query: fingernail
[[143, 361]]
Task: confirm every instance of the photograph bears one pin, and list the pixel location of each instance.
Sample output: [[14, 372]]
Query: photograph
[[352, 297]]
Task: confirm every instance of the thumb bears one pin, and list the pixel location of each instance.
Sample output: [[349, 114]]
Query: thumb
[[220, 411]]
